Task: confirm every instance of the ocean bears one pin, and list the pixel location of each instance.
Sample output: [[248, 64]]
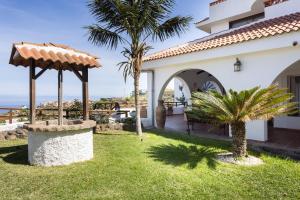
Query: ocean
[[20, 101]]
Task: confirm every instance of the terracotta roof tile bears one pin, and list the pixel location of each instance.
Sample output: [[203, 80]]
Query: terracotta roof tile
[[273, 2], [267, 3], [216, 2], [267, 28], [57, 56]]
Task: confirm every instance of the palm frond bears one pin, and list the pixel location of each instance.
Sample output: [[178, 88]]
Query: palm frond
[[108, 12], [172, 27], [243, 106], [102, 36], [132, 55]]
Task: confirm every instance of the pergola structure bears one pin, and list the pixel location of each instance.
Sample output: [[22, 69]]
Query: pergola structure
[[54, 56]]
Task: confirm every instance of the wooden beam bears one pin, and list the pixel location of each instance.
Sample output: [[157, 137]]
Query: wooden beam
[[85, 93], [32, 92], [41, 72], [76, 72], [60, 92]]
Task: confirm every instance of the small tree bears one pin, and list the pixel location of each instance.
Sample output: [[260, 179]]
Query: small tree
[[134, 23], [76, 109], [237, 108]]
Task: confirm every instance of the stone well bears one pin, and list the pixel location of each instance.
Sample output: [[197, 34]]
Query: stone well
[[52, 145]]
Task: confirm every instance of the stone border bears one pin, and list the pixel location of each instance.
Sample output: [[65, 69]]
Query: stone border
[[248, 161], [48, 126], [12, 135]]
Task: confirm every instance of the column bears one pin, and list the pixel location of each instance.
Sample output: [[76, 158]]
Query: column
[[150, 93]]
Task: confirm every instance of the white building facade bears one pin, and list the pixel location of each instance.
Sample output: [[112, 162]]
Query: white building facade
[[264, 35]]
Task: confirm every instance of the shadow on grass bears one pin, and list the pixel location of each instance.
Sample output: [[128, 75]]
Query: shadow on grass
[[15, 154], [214, 143], [179, 136], [178, 155], [115, 133]]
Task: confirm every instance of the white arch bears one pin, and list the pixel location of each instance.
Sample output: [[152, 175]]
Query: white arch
[[163, 88], [286, 70], [166, 82]]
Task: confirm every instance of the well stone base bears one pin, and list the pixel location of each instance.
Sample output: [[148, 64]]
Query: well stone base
[[60, 148]]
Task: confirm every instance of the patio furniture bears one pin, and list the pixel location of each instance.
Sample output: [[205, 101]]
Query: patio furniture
[[191, 121]]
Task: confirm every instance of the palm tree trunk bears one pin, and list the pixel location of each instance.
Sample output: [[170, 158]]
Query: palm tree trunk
[[137, 103], [239, 143]]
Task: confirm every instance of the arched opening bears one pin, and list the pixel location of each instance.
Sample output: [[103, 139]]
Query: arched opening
[[177, 92], [285, 130]]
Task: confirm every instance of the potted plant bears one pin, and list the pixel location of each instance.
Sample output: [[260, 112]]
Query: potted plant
[[169, 109]]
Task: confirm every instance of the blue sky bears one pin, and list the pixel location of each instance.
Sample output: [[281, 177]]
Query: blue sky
[[61, 21]]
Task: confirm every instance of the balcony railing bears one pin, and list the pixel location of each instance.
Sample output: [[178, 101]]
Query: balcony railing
[[175, 104]]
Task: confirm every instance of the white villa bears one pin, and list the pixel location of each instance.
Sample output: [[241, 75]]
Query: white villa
[[250, 43]]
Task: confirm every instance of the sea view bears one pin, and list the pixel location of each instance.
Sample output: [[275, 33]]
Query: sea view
[[19, 101]]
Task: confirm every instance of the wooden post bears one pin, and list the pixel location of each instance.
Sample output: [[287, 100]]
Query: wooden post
[[60, 92], [67, 114], [10, 117], [85, 93], [32, 92]]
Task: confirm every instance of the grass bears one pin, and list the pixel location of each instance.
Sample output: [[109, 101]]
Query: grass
[[163, 166]]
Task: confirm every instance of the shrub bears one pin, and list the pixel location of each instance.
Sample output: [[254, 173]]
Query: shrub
[[100, 119]]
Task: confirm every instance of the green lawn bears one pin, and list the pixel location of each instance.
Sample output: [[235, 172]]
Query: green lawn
[[163, 166]]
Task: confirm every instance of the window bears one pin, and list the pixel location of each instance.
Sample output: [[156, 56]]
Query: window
[[247, 20]]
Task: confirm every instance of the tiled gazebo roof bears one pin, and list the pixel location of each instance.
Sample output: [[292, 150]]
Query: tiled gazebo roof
[[259, 30], [53, 56]]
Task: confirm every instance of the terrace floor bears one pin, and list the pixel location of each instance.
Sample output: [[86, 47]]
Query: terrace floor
[[287, 138]]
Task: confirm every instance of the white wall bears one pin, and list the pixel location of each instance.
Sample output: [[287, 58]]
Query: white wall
[[221, 26], [221, 14], [288, 122], [284, 8], [230, 8], [262, 61], [257, 130]]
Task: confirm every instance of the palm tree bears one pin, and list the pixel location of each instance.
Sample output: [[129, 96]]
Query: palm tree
[[134, 23], [237, 108]]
